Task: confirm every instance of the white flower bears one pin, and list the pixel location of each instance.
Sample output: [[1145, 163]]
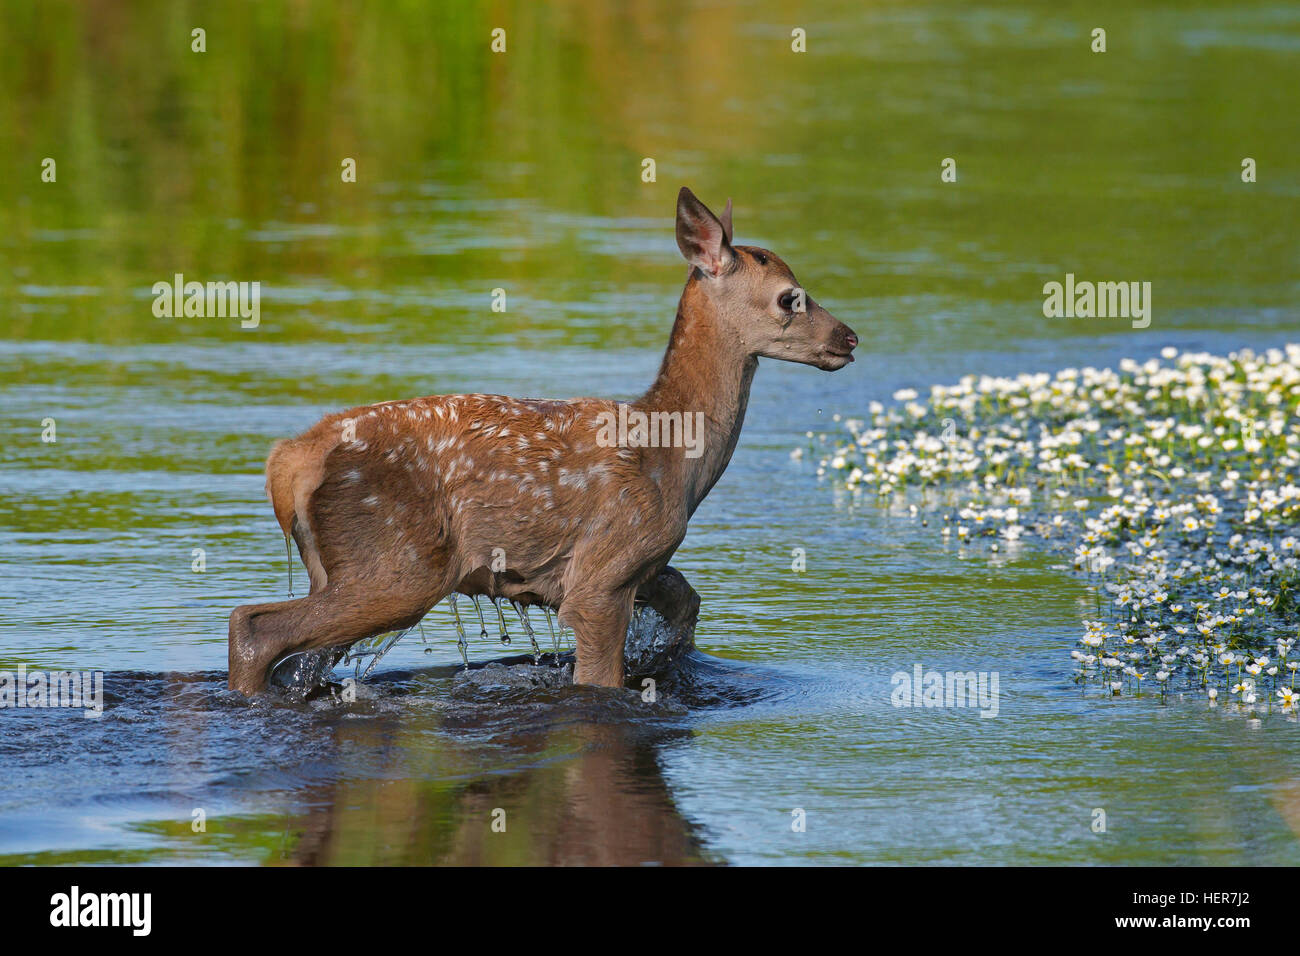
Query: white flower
[[1149, 457]]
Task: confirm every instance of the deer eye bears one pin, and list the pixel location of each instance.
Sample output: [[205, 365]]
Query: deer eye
[[786, 302]]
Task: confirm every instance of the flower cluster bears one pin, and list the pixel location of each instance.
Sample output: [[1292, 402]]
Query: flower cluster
[[1172, 482]]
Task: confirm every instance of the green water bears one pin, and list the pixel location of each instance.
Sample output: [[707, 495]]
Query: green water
[[522, 171]]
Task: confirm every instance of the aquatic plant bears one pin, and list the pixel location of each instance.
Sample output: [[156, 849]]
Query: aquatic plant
[[1171, 483]]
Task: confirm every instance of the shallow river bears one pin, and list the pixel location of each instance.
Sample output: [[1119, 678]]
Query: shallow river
[[523, 172]]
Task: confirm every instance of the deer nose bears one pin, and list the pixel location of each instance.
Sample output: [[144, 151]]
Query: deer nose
[[852, 340]]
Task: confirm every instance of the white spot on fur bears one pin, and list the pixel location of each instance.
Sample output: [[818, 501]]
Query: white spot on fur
[[573, 479]]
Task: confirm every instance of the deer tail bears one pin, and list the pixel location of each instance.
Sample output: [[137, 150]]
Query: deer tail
[[295, 468], [280, 483]]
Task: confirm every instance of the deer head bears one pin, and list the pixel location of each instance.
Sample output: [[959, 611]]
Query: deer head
[[754, 294]]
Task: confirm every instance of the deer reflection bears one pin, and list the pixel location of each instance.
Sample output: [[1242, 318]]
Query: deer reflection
[[588, 794]]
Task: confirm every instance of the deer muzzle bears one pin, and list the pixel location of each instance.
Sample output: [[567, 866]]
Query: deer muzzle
[[837, 342]]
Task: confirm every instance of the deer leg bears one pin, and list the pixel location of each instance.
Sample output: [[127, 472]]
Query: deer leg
[[599, 625], [342, 613]]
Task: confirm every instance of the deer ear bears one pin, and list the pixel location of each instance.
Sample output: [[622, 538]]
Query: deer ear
[[701, 236], [726, 221]]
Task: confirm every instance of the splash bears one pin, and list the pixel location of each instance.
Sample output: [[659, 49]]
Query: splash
[[308, 673]]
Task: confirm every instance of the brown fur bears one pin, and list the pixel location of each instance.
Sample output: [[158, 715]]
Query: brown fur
[[393, 506]]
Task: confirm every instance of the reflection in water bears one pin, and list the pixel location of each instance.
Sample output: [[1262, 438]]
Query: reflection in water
[[607, 804], [562, 775], [420, 769]]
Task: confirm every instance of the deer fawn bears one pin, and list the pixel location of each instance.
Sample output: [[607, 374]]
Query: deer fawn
[[397, 505]]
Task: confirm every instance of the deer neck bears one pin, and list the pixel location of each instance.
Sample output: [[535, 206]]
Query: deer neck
[[702, 371]]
